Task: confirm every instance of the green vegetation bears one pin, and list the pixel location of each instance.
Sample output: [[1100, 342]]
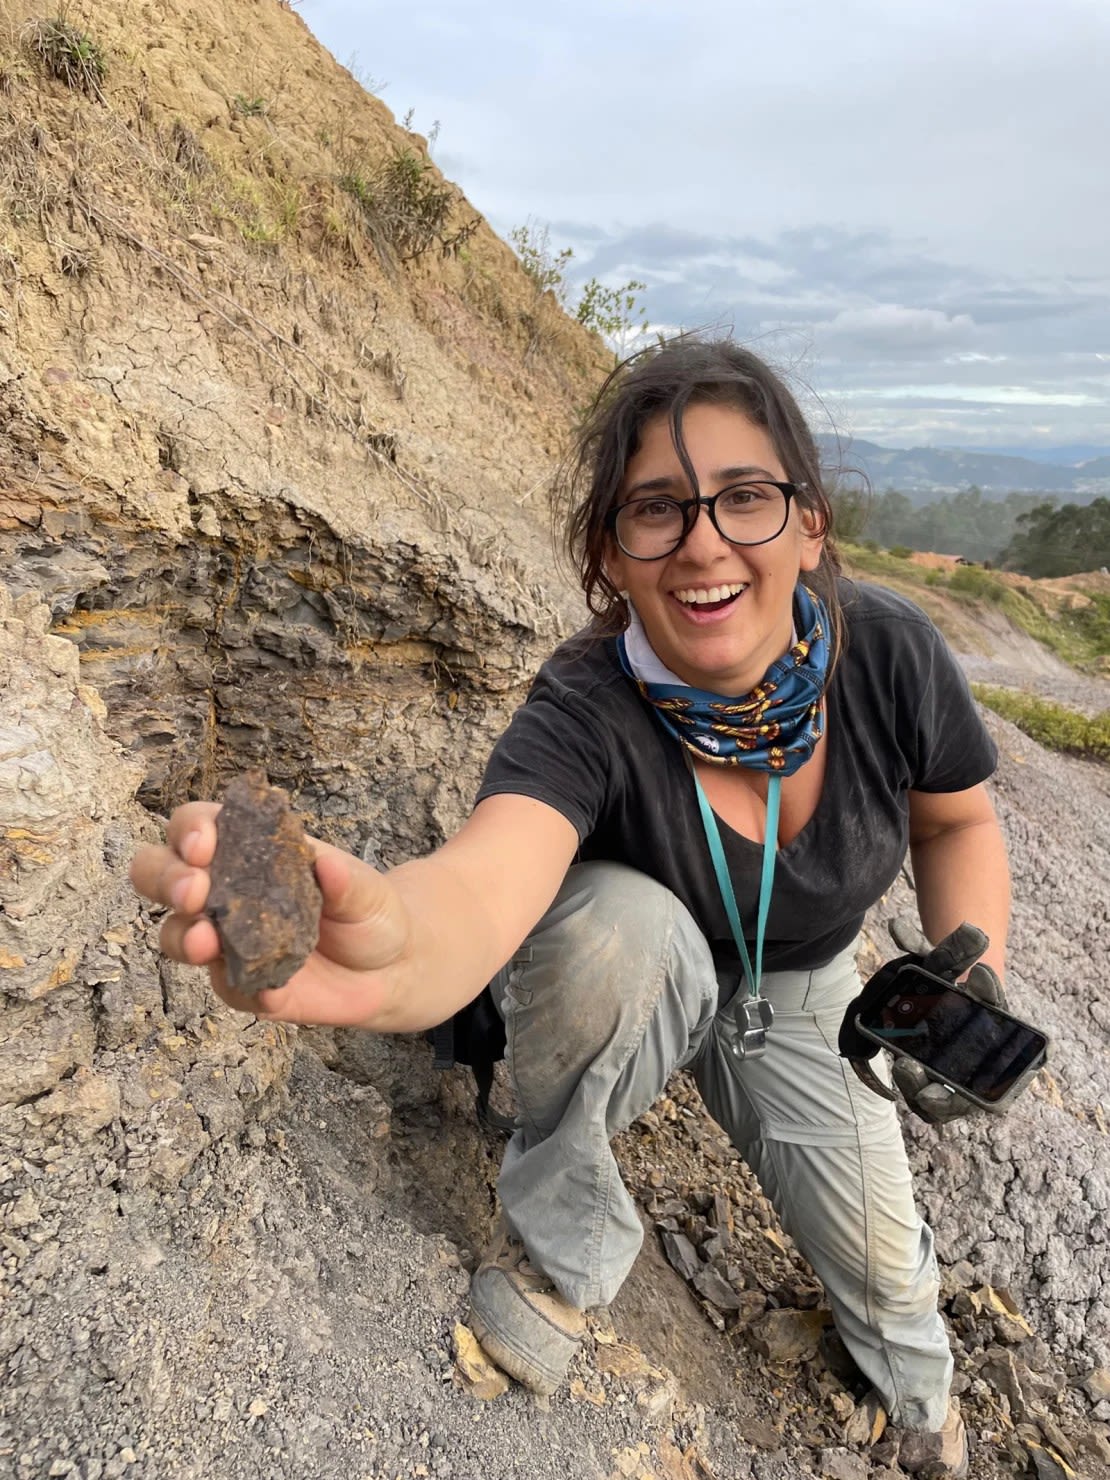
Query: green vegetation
[[1051, 541], [546, 267], [249, 107], [1078, 633], [967, 523], [1050, 724], [615, 314], [1028, 532], [67, 54], [406, 205]]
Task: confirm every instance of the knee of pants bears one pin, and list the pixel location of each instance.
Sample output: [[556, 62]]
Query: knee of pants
[[890, 1281], [903, 1288], [600, 959], [855, 1220]]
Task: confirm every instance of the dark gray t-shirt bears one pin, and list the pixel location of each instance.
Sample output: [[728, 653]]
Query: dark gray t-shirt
[[900, 717]]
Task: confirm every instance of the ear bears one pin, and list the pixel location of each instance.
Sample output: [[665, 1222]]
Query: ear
[[812, 528], [614, 565]]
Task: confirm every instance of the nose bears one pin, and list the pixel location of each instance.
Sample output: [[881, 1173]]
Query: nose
[[704, 543]]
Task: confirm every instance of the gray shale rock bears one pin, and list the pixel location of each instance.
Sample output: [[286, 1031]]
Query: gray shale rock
[[1024, 1200]]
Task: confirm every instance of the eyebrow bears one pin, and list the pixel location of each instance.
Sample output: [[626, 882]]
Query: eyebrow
[[719, 475]]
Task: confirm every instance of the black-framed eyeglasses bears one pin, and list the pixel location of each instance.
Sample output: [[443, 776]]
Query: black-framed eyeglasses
[[749, 513]]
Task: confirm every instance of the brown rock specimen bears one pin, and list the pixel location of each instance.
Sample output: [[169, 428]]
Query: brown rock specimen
[[264, 900]]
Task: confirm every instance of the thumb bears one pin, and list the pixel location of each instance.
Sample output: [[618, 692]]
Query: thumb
[[363, 923]]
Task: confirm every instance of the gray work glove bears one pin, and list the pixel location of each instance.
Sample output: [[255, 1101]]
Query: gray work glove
[[950, 958]]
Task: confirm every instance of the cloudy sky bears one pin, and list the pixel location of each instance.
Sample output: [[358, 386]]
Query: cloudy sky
[[908, 205]]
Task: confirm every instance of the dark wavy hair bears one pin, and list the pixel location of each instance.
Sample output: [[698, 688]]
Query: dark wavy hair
[[663, 381]]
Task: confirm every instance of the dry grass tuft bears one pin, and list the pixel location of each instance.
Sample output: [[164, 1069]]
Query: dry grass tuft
[[67, 54], [183, 148], [78, 262], [406, 205], [28, 189]]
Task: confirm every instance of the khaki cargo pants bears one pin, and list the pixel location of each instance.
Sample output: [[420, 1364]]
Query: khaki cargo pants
[[616, 988]]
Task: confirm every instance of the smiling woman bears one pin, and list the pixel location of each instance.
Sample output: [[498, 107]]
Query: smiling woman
[[668, 864], [715, 596]]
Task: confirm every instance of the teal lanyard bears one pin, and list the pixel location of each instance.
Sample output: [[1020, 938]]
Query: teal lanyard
[[724, 882]]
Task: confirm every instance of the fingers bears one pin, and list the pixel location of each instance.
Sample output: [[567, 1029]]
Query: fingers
[[352, 890], [363, 922], [175, 873], [951, 956], [191, 832], [982, 982], [908, 935], [191, 941], [933, 1102]]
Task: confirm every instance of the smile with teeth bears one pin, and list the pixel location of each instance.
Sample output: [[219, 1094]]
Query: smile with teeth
[[710, 595]]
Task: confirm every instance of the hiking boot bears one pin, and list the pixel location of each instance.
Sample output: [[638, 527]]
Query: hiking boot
[[520, 1318], [943, 1452]]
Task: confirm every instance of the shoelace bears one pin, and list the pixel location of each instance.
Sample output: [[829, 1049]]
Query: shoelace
[[515, 1257]]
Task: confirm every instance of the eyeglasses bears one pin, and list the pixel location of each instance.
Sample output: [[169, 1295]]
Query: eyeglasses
[[743, 514]]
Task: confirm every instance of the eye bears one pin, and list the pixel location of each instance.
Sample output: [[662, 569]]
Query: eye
[[651, 510], [744, 495]]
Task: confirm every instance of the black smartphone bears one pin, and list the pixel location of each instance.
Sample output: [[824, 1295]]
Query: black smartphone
[[983, 1052]]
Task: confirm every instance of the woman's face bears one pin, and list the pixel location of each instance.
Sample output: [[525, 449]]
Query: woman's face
[[726, 646]]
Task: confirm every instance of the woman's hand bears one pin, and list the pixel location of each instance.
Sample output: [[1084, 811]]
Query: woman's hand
[[364, 934]]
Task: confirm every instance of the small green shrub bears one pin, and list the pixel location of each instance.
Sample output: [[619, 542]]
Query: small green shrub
[[546, 267], [614, 314], [972, 580], [67, 54], [1050, 724], [901, 552], [406, 204], [249, 107]]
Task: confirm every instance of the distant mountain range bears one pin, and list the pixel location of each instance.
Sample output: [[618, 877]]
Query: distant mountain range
[[997, 471]]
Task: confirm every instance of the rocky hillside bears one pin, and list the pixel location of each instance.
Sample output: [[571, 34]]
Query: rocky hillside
[[276, 411]]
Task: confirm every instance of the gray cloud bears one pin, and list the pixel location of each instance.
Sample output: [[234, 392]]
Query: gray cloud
[[893, 344], [907, 204]]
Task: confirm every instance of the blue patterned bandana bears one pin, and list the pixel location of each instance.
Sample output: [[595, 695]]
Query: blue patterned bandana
[[776, 726]]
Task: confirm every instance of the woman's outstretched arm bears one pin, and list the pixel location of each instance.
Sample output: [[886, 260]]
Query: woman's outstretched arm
[[397, 952]]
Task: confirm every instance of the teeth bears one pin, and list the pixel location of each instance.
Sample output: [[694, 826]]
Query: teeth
[[715, 593]]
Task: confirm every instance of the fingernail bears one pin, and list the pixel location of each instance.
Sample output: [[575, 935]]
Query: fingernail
[[180, 890], [187, 846]]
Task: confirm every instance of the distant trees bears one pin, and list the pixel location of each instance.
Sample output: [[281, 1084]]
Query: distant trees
[[1027, 532], [966, 523], [1051, 541], [851, 507]]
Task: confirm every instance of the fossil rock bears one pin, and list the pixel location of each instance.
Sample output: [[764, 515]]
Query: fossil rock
[[264, 901]]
